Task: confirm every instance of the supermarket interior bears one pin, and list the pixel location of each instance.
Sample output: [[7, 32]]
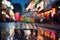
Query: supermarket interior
[[30, 20]]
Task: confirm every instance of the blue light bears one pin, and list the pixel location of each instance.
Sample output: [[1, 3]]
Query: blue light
[[22, 2]]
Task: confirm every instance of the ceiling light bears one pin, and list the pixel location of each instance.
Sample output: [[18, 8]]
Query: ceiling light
[[59, 7]]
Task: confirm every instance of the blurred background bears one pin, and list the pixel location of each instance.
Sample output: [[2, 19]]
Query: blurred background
[[30, 20], [39, 11], [29, 31]]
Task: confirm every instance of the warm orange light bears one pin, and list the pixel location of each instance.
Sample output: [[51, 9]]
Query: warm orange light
[[47, 33], [41, 31], [32, 20], [21, 18], [53, 35], [32, 1], [54, 10], [46, 15], [59, 38], [40, 37]]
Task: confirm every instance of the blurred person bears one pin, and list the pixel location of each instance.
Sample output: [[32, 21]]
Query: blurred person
[[42, 17], [5, 15], [56, 18], [51, 17], [7, 6], [3, 12], [37, 19]]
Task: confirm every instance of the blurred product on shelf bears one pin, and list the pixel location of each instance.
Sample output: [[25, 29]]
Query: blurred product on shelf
[[22, 19], [31, 26], [40, 37], [53, 35], [48, 33], [17, 16], [32, 20], [41, 31], [27, 19], [11, 33], [30, 6]]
